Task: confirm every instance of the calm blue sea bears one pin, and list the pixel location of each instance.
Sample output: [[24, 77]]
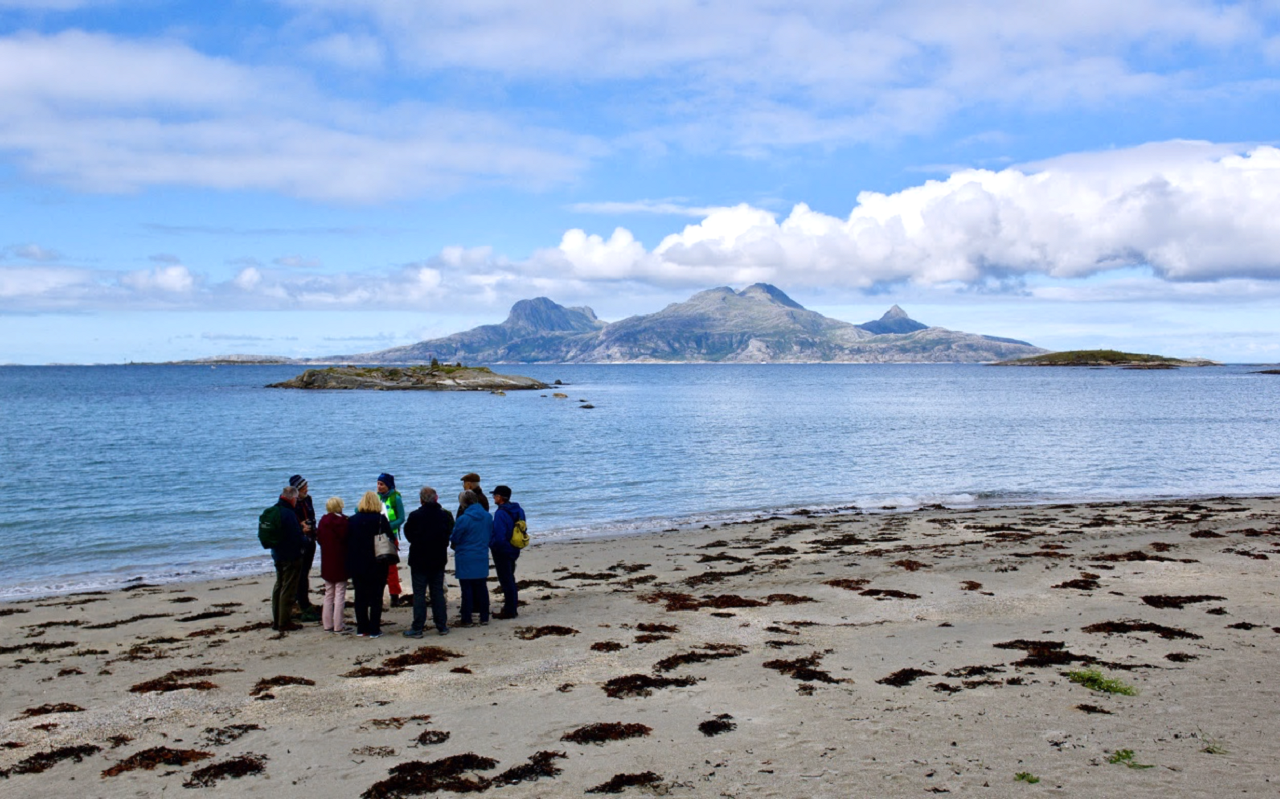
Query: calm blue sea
[[114, 473]]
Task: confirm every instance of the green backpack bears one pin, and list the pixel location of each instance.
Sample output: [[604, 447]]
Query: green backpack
[[270, 527]]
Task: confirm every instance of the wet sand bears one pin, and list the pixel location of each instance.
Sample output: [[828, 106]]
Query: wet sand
[[826, 655]]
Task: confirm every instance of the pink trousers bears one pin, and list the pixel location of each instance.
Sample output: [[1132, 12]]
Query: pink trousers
[[335, 600]]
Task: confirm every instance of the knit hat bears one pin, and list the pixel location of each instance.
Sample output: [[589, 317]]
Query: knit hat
[[388, 479], [297, 481], [470, 477]]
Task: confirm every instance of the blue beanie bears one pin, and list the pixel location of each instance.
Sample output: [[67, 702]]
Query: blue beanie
[[388, 479]]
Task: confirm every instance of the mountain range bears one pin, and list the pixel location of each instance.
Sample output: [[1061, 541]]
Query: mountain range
[[758, 324]]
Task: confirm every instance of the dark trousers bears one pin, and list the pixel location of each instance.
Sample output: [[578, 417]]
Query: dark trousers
[[303, 590], [475, 596], [368, 602], [423, 581], [506, 569], [284, 591]]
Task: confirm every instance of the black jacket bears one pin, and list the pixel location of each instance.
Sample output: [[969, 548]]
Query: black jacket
[[427, 530], [361, 528], [289, 548]]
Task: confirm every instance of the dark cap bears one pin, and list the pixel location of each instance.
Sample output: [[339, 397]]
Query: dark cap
[[503, 492], [297, 481], [470, 477]]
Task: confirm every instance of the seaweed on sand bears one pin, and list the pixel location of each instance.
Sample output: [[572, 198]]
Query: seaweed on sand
[[713, 652], [1044, 653], [1166, 601], [911, 565], [540, 765], [675, 601], [432, 737], [107, 625], [605, 731], [803, 669], [974, 671], [714, 577], [248, 628], [1135, 626], [720, 724], [221, 736], [607, 646], [970, 585], [1080, 584], [233, 768], [631, 685], [11, 611], [534, 633], [38, 646], [178, 680], [881, 594], [904, 677], [1180, 657], [788, 599], [716, 557], [647, 627], [598, 576], [397, 722], [41, 762], [150, 759], [649, 638], [416, 778], [267, 683], [208, 614], [397, 664], [46, 709], [620, 782], [848, 583], [523, 585], [1093, 709]]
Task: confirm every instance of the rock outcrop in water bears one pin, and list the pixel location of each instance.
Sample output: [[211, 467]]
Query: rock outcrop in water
[[757, 324], [412, 378], [1100, 358]]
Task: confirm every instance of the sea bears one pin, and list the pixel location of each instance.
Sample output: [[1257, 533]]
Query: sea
[[156, 473]]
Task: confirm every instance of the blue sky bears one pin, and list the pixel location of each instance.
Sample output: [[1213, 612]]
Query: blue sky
[[182, 179]]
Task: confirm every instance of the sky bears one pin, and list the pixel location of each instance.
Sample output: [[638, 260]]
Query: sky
[[321, 177]]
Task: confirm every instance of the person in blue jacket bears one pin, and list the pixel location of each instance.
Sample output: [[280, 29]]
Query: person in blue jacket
[[505, 515], [470, 542]]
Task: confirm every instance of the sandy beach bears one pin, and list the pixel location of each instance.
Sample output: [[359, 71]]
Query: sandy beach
[[887, 654]]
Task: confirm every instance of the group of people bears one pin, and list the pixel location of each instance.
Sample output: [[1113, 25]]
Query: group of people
[[362, 548]]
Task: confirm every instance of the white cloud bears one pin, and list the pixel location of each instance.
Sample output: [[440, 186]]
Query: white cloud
[[31, 252], [661, 207], [360, 52], [21, 283], [175, 279], [1189, 210]]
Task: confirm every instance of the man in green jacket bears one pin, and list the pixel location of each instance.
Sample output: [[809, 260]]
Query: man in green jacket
[[393, 509]]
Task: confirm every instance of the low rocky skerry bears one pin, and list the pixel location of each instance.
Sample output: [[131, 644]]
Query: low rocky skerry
[[1105, 358], [410, 378]]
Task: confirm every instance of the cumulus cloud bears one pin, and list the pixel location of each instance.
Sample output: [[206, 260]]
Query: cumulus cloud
[[31, 252], [1188, 210]]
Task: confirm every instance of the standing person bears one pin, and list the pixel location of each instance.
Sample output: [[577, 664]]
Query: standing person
[[368, 576], [306, 513], [427, 530], [504, 552], [332, 536], [470, 542], [287, 556], [393, 509], [471, 482]]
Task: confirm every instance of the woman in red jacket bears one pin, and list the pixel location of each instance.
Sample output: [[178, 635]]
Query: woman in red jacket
[[332, 537]]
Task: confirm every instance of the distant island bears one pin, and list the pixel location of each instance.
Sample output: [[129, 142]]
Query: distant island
[[1102, 358], [412, 378]]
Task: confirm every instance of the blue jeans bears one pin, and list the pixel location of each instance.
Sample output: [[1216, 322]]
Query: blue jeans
[[433, 581], [506, 569], [475, 596]]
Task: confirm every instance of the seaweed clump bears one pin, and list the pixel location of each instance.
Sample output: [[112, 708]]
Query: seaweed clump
[[432, 737], [881, 594], [620, 782], [46, 709], [803, 669], [267, 683], [150, 759], [848, 583], [647, 627], [416, 778], [720, 724], [534, 633], [43, 761], [605, 731], [607, 646], [633, 685], [712, 652], [904, 677], [178, 680], [221, 736], [234, 768], [399, 663], [540, 765], [1164, 601], [1133, 626]]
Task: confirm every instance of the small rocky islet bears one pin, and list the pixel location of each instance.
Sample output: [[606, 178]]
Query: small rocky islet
[[410, 378], [1107, 358]]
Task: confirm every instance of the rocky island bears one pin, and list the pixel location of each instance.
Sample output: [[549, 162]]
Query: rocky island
[[410, 378], [1103, 358]]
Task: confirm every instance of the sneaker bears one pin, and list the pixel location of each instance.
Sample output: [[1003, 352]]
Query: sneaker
[[362, 635], [444, 630], [412, 633], [484, 623], [375, 635], [505, 615]]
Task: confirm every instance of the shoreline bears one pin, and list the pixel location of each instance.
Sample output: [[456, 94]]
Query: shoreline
[[260, 564], [887, 654]]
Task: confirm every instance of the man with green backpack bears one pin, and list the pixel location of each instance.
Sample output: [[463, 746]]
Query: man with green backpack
[[279, 531]]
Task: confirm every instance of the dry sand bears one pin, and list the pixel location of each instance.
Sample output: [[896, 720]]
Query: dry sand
[[798, 651]]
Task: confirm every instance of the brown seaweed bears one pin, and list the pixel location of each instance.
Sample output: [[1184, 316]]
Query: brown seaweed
[[620, 782], [1137, 626], [648, 627], [107, 625], [970, 585], [803, 669], [221, 736], [156, 756], [715, 577], [788, 599], [233, 768], [397, 664], [1093, 709], [1080, 584], [46, 709], [881, 594], [1242, 625], [607, 646], [714, 652], [597, 576], [1178, 602], [43, 761], [208, 614], [267, 683], [911, 565], [649, 638], [248, 628], [534, 633], [605, 731], [636, 685], [848, 583], [1180, 657], [717, 726], [904, 677], [432, 737], [179, 680], [416, 778], [540, 765], [37, 646], [11, 611]]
